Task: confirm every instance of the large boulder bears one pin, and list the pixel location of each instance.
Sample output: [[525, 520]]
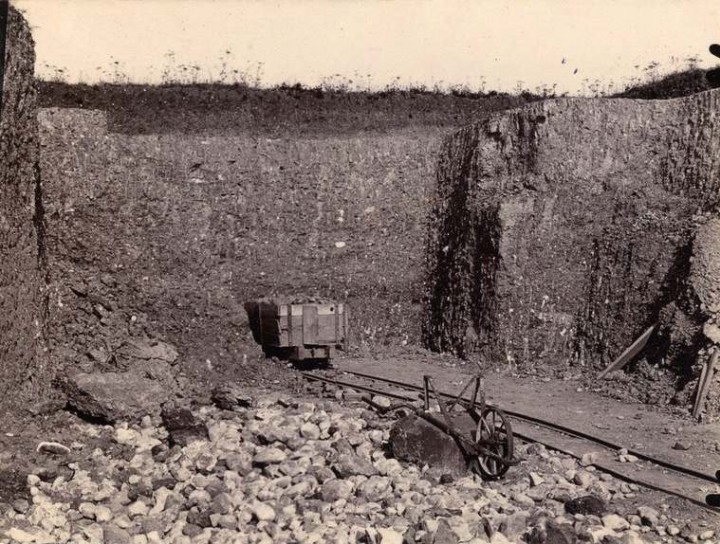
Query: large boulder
[[418, 441], [560, 231], [110, 396]]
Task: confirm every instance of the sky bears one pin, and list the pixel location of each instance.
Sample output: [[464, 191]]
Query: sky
[[573, 46]]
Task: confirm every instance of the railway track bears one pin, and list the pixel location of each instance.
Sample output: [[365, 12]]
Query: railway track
[[648, 471]]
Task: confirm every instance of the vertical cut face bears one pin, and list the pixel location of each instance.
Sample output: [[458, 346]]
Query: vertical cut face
[[562, 230], [22, 368]]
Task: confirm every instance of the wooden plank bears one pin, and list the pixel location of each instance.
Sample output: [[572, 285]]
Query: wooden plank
[[310, 324], [327, 334], [630, 353], [701, 383], [706, 378]]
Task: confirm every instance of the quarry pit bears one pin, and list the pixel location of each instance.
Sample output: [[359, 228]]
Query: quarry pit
[[534, 240]]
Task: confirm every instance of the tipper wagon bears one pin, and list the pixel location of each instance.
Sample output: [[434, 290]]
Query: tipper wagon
[[297, 329]]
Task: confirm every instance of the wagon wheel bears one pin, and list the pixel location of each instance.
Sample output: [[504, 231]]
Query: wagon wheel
[[495, 434]]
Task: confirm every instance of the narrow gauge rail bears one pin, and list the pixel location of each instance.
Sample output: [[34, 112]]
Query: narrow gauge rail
[[411, 391]]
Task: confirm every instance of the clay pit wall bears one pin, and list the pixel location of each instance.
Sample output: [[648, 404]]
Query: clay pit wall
[[168, 234], [23, 371], [562, 230]]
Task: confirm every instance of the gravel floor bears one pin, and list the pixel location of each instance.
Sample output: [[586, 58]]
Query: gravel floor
[[286, 470]]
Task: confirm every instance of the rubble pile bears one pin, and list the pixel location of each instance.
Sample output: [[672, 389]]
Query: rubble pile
[[281, 470]]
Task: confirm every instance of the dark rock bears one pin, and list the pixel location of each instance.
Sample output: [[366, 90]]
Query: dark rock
[[216, 488], [348, 465], [192, 530], [21, 506], [552, 533], [48, 474], [447, 479], [153, 523], [113, 397], [415, 440], [682, 446], [341, 445], [13, 485], [322, 474], [559, 534], [231, 396], [444, 534], [167, 482], [115, 535], [140, 489], [201, 518], [587, 505], [183, 427], [160, 453], [222, 504]]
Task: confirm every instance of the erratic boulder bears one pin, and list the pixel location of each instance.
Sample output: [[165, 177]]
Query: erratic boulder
[[111, 397], [418, 441]]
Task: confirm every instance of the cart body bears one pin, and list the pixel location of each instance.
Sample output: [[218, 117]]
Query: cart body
[[298, 331]]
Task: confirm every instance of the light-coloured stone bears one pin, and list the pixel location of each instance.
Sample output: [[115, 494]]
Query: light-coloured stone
[[269, 455], [21, 536], [138, 508], [499, 538], [375, 488], [615, 522], [263, 512], [583, 479], [103, 514], [390, 536], [535, 479], [631, 537], [648, 515], [333, 490], [589, 458], [310, 431]]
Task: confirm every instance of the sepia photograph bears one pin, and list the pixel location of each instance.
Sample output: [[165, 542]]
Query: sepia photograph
[[359, 271]]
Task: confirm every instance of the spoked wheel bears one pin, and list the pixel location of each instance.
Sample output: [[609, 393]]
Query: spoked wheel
[[494, 433]]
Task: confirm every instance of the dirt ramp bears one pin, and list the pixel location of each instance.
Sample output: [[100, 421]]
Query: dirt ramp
[[562, 230], [21, 242]]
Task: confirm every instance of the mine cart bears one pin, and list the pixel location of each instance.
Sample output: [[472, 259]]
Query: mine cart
[[298, 330], [482, 432]]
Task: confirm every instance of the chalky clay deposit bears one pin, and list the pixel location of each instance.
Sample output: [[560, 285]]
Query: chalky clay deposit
[[562, 230], [21, 232]]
